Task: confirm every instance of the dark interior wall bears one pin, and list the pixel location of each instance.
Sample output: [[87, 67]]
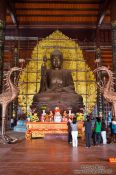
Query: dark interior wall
[[86, 38], [80, 34]]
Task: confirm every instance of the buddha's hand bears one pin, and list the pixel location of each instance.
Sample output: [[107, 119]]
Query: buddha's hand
[[68, 89]]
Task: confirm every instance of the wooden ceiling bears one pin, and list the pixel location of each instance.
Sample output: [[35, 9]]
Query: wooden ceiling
[[78, 19], [81, 13]]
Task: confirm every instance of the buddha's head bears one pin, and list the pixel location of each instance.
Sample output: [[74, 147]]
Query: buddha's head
[[56, 59]]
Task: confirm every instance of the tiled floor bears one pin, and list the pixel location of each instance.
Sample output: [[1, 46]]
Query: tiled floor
[[55, 157]]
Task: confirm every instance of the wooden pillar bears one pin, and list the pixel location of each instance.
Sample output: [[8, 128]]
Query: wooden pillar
[[15, 63], [113, 22], [99, 74], [2, 37]]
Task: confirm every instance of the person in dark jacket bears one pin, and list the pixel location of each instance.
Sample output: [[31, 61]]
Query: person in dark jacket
[[114, 130], [88, 131], [111, 131], [69, 131]]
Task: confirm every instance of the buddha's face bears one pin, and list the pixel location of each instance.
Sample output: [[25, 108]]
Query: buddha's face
[[56, 61]]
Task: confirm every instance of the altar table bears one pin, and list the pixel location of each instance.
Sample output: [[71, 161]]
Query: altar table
[[40, 129]]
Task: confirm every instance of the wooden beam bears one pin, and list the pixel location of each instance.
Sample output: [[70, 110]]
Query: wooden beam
[[77, 25], [54, 9], [57, 15], [60, 1], [102, 13], [12, 11]]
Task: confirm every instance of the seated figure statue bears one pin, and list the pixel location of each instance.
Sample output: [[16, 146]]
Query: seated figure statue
[[57, 88]]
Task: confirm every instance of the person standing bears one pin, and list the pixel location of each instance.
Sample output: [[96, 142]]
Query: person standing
[[114, 130], [69, 130], [103, 131], [93, 131], [12, 122], [88, 131], [74, 132], [98, 131]]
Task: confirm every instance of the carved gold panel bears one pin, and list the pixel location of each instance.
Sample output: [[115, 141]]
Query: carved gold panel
[[84, 80]]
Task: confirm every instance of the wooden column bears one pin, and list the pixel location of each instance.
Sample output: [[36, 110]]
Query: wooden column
[[99, 74], [16, 64], [113, 22], [2, 36]]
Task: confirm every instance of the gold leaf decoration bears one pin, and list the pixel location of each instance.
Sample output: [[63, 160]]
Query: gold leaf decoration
[[73, 60]]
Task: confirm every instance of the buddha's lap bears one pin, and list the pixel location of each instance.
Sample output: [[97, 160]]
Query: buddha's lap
[[62, 99], [59, 96]]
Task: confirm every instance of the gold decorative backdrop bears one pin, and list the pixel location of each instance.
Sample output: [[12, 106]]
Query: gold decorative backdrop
[[83, 77]]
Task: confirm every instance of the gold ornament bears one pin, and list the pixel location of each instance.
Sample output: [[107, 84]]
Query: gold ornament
[[84, 80]]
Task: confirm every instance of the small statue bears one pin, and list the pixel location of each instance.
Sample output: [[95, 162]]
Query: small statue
[[42, 118], [46, 118], [43, 82], [51, 116], [57, 115], [65, 117]]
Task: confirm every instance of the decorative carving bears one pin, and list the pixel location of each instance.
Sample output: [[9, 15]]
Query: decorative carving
[[107, 88], [9, 93]]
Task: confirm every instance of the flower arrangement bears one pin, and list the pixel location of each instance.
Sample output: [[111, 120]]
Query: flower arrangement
[[34, 118], [80, 116]]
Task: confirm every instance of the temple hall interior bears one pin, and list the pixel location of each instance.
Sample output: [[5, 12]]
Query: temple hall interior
[[57, 87]]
